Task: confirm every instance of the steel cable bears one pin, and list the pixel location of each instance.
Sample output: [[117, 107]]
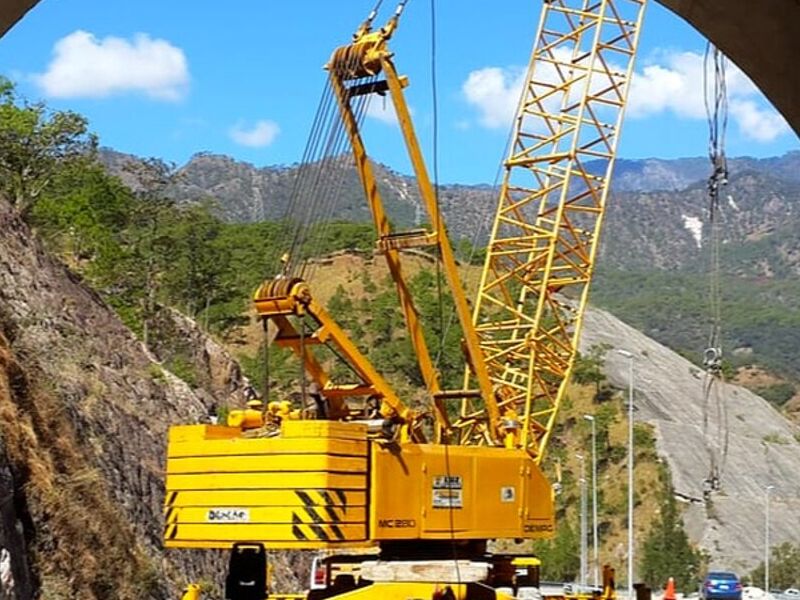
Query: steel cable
[[331, 184], [292, 224], [322, 162], [716, 104], [340, 166], [312, 198], [310, 180]]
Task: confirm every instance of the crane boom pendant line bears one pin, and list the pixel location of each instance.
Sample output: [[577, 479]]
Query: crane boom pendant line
[[540, 259]]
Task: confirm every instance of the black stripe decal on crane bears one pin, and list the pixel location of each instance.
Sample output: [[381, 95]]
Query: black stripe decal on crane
[[314, 515], [332, 514], [337, 532], [342, 498], [320, 532], [305, 498], [296, 531]]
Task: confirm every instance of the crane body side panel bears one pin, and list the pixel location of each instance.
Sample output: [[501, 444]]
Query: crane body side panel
[[424, 491], [325, 485]]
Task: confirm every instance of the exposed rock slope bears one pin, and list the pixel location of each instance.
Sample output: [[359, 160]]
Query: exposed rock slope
[[763, 448], [84, 410]]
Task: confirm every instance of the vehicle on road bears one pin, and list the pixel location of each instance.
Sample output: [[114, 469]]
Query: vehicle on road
[[791, 593], [325, 570], [750, 592], [721, 585]]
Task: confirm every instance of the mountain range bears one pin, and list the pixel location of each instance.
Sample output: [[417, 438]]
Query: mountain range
[[657, 206], [654, 262]]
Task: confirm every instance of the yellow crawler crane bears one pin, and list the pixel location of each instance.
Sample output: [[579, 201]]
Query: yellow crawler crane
[[355, 466]]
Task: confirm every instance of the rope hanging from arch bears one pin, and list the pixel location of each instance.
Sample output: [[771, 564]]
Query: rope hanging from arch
[[714, 409]]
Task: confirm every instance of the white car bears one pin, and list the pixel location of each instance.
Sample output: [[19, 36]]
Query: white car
[[752, 592], [792, 593]]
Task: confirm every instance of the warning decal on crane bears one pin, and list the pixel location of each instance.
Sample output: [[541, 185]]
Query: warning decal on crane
[[448, 491]]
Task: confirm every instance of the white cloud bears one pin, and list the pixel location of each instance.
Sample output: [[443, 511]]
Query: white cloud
[[759, 124], [85, 67], [675, 84], [671, 83], [382, 110], [495, 93], [263, 133]]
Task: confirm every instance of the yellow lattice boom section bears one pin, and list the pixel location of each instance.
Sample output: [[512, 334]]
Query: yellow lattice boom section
[[541, 255]]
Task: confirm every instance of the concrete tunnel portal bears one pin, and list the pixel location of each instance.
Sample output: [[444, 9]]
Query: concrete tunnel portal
[[762, 37]]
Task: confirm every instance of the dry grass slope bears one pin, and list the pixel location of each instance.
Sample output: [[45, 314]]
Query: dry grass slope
[[82, 546]]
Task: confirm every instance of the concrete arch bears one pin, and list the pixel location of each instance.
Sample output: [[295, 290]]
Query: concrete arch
[[12, 11], [761, 36]]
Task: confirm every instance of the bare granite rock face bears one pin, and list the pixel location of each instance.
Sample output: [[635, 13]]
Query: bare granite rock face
[[763, 447]]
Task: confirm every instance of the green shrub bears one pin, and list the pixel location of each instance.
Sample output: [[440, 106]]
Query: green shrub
[[777, 393], [182, 367]]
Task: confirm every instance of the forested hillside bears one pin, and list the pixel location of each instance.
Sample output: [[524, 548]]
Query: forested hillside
[[654, 261], [85, 402]]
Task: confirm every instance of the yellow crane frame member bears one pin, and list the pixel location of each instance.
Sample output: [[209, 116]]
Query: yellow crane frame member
[[277, 480]]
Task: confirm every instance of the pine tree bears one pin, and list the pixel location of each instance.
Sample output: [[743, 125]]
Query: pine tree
[[34, 143], [784, 567], [667, 551], [560, 556]]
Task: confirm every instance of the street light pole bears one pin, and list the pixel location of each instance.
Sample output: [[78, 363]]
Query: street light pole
[[584, 532], [595, 542], [629, 356], [769, 488]]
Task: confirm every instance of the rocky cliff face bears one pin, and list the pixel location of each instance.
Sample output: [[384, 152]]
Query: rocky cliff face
[[84, 411], [15, 571], [763, 448]]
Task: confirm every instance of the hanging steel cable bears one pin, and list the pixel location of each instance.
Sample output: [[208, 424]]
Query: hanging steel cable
[[310, 154], [373, 13], [315, 192], [331, 181], [716, 103], [328, 173], [312, 193], [318, 180], [289, 232], [438, 214]]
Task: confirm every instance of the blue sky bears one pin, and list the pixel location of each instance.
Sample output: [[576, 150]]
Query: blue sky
[[170, 79]]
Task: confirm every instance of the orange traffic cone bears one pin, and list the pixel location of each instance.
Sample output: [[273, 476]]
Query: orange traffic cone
[[669, 593]]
